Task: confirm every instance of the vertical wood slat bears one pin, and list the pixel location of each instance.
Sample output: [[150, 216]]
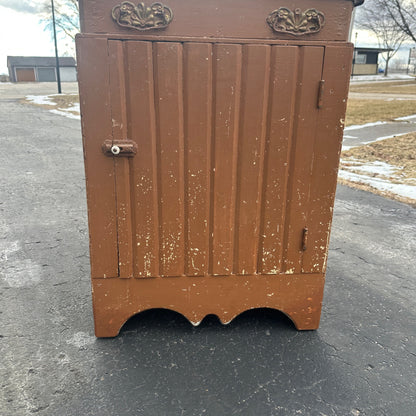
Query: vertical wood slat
[[284, 64], [142, 130], [336, 73], [93, 69], [306, 117], [121, 165], [227, 76], [168, 73], [252, 132], [198, 132]]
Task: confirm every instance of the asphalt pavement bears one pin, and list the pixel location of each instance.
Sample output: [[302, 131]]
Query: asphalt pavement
[[361, 361]]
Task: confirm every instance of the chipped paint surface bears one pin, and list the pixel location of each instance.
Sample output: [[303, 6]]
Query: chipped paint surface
[[224, 184]]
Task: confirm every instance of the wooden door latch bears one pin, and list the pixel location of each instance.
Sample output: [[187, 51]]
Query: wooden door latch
[[126, 148]]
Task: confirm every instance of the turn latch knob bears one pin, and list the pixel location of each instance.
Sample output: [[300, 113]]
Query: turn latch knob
[[126, 148]]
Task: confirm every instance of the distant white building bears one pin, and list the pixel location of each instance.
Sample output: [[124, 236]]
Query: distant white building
[[40, 68]]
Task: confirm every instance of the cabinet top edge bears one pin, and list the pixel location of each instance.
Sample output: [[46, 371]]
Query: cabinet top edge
[[222, 40]]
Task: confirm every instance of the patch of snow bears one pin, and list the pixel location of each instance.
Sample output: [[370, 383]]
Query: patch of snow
[[345, 147], [407, 191], [405, 117], [349, 137], [385, 137], [380, 77], [362, 126], [378, 175], [46, 99], [398, 99], [40, 99], [64, 112], [377, 167], [74, 108], [59, 95]]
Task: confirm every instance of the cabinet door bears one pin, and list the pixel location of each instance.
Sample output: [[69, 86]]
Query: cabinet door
[[326, 152], [317, 140], [221, 182]]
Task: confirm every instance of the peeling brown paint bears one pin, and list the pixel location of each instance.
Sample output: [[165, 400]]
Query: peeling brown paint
[[224, 202]]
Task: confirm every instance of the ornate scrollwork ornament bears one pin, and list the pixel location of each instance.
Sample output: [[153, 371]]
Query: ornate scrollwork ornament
[[141, 17], [298, 23]]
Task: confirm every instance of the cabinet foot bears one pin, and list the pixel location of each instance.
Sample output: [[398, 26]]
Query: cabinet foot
[[297, 296]]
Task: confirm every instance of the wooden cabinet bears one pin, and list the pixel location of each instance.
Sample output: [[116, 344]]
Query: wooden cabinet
[[212, 132]]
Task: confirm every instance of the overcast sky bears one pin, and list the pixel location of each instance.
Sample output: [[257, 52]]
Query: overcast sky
[[22, 33]]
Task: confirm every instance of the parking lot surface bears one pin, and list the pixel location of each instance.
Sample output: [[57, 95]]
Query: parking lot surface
[[362, 360]]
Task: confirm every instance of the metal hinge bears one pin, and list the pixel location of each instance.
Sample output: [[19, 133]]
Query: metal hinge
[[321, 91], [125, 147], [305, 239]]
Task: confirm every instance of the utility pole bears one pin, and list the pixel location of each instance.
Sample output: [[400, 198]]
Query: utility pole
[[355, 54], [412, 56], [58, 72]]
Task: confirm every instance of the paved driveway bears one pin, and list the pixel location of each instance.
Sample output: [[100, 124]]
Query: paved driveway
[[371, 132], [362, 361]]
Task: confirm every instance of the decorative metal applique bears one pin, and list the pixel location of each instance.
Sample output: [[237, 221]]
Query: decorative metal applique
[[141, 17], [283, 20]]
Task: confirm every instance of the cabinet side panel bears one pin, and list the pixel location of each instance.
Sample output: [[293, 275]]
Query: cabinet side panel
[[142, 130], [93, 75], [168, 72], [227, 87], [304, 132], [253, 120], [336, 73], [198, 133], [284, 66]]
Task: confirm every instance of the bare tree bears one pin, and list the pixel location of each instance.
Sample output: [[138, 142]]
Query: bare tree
[[376, 18], [403, 13], [66, 16]]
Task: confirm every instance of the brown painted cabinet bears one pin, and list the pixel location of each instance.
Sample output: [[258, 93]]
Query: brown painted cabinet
[[212, 132]]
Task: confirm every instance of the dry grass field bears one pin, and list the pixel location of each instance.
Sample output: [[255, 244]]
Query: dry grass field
[[399, 152], [65, 100], [364, 110], [55, 101], [388, 87], [64, 104], [391, 160], [369, 111]]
